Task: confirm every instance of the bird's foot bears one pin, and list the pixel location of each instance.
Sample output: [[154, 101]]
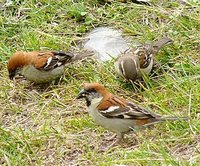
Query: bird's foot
[[110, 138]]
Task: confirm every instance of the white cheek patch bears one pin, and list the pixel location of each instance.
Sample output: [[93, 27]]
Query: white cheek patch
[[96, 101], [110, 109]]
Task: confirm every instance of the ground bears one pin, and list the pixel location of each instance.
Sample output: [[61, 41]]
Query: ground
[[46, 125]]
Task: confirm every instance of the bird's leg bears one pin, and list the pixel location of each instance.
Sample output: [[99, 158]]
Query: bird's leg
[[118, 140], [120, 137], [134, 130], [156, 64], [156, 68], [110, 138]]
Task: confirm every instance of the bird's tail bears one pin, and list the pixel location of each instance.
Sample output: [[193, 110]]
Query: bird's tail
[[164, 119], [62, 56], [82, 54], [172, 118], [161, 43]]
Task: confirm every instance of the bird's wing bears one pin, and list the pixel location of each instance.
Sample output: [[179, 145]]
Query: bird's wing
[[128, 65], [51, 60], [122, 110]]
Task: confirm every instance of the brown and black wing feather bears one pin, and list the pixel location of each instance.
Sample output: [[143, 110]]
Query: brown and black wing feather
[[59, 59], [126, 110], [50, 60]]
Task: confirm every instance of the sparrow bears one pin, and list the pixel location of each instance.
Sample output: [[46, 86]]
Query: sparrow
[[133, 63], [117, 114], [38, 66]]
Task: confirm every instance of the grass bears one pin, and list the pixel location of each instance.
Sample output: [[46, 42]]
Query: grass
[[46, 125]]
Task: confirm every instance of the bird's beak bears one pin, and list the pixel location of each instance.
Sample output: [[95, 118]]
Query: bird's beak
[[12, 74], [82, 94], [15, 72]]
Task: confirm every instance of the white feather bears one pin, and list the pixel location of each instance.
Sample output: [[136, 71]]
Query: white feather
[[59, 63], [48, 61], [107, 43], [123, 72], [111, 109]]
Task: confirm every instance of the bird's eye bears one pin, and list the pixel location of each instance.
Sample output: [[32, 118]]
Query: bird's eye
[[91, 90]]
